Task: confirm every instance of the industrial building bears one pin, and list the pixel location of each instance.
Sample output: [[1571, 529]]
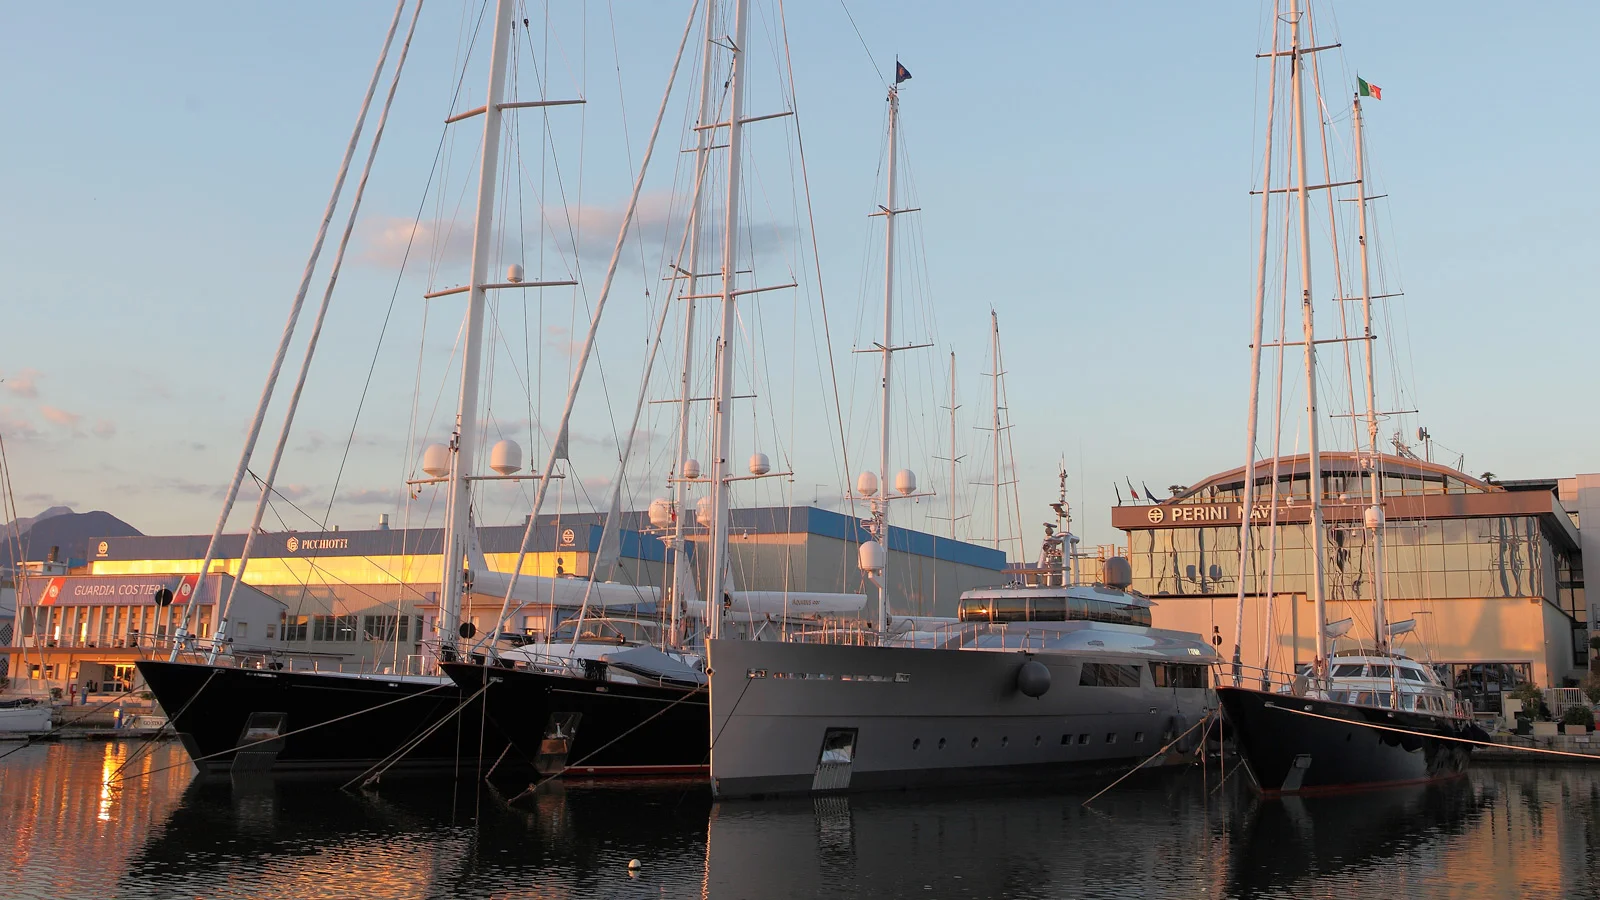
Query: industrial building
[[369, 599], [1491, 571]]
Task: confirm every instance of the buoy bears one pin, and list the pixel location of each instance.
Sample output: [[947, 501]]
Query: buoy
[[1033, 679], [633, 864]]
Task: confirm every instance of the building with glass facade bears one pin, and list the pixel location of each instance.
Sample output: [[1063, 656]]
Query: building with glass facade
[[1491, 571]]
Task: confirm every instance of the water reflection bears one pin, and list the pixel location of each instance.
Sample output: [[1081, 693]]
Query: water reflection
[[77, 833]]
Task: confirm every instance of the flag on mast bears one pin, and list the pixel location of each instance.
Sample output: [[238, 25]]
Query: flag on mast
[[1368, 90], [901, 73]]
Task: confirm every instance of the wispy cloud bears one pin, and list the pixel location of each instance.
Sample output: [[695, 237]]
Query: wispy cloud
[[105, 428], [371, 496], [59, 416], [24, 383], [16, 426]]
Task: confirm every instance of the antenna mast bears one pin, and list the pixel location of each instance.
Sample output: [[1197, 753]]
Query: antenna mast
[[1374, 516]]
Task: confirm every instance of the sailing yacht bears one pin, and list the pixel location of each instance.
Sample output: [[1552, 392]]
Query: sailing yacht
[[1373, 716], [236, 716], [1047, 677]]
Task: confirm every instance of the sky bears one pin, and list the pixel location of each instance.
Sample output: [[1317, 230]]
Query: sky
[[1081, 169]]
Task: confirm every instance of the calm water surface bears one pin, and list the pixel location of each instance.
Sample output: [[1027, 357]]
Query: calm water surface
[[1502, 832]]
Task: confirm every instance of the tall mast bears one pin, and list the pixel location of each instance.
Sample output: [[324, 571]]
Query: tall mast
[[880, 516], [459, 506], [953, 458], [994, 350], [681, 573], [1308, 318], [1374, 516], [1252, 416], [722, 418]]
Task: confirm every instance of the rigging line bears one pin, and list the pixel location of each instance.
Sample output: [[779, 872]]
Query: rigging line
[[369, 776], [295, 307], [279, 737], [857, 30], [1153, 757], [816, 257], [293, 405], [150, 740]]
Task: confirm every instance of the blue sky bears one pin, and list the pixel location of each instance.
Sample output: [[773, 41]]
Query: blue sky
[[1082, 168]]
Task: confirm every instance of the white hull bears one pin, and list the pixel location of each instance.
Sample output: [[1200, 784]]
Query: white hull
[[25, 719]]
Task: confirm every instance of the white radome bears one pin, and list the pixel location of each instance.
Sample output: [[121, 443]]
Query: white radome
[[872, 556], [691, 468], [514, 273], [905, 481], [867, 484], [660, 512], [505, 457], [702, 511], [759, 464], [436, 460]]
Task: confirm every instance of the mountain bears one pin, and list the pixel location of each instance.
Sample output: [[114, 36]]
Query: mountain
[[60, 527]]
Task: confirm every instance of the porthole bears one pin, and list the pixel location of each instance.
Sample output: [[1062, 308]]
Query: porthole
[[974, 743], [915, 743], [1111, 737], [1083, 739], [941, 743], [1066, 739], [1039, 739], [1004, 740], [1138, 737]]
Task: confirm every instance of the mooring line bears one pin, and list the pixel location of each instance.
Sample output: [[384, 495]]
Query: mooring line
[[399, 753], [1153, 757]]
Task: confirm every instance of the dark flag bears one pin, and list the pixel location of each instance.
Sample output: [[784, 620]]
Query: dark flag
[[1148, 494], [1119, 492], [901, 73]]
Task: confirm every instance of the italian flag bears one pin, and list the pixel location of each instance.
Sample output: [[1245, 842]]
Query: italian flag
[[1369, 90]]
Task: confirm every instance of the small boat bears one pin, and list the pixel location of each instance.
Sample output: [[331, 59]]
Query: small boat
[[25, 715]]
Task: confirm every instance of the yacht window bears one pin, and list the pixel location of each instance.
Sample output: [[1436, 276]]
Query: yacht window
[[1347, 670], [1407, 701], [1108, 675], [1178, 675], [1381, 672], [1048, 609], [1010, 609], [1411, 674], [1339, 696], [1364, 698], [1083, 739], [974, 610], [1111, 737], [1386, 700]]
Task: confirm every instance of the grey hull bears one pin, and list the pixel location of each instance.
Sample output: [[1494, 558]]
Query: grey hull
[[920, 717]]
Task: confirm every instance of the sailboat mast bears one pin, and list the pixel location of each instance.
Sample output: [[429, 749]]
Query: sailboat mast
[[1374, 516], [458, 509], [952, 445], [881, 517], [1253, 416], [681, 573], [1308, 320], [722, 398], [994, 352]]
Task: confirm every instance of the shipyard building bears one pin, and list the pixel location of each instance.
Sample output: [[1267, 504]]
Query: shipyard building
[[1491, 572], [369, 598]]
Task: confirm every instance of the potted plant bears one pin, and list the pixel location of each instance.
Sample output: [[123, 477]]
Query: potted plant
[[1577, 720], [1533, 709]]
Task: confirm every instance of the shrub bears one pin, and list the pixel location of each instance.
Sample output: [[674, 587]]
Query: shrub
[[1532, 701], [1591, 685], [1578, 715]]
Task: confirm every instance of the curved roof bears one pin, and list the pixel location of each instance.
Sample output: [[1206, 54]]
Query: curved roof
[[1337, 463]]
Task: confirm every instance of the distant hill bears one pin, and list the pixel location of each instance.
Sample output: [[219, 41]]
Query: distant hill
[[60, 527]]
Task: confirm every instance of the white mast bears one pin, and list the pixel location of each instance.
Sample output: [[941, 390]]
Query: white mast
[[459, 504], [682, 575], [1249, 497], [722, 418], [1374, 515], [880, 518], [953, 457], [1308, 317]]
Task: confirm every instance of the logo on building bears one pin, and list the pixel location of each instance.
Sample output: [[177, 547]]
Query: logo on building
[[1155, 515], [294, 543], [568, 536], [104, 548]]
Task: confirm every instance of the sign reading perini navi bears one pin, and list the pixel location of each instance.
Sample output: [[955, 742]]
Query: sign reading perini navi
[[1204, 512]]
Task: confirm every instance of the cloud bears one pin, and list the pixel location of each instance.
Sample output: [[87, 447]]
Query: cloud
[[24, 384], [105, 428], [59, 416], [371, 496], [15, 426]]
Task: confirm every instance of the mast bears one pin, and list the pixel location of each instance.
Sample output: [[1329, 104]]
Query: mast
[[881, 504], [953, 458], [1308, 324], [722, 393], [994, 350], [1374, 517], [464, 442], [682, 575], [1252, 416]]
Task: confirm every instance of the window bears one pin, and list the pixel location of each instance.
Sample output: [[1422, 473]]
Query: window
[[1066, 739], [386, 628], [293, 627], [1111, 737], [241, 631], [1411, 674], [1178, 675], [333, 628], [1138, 737], [1347, 670], [1083, 739], [1108, 675]]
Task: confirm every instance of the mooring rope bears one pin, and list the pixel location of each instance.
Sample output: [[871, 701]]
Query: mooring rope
[[1204, 720]]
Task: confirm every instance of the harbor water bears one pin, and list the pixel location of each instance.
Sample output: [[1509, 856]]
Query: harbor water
[[81, 820]]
